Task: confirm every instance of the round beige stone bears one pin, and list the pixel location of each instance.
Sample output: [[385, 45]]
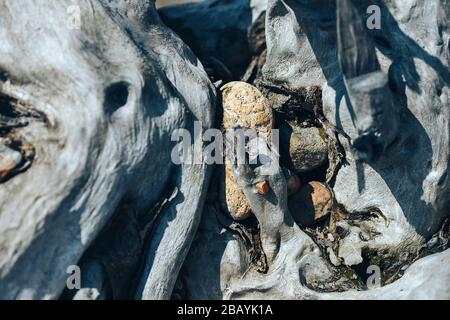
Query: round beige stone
[[245, 106]]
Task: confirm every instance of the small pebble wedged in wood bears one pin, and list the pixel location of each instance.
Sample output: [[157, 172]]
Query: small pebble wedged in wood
[[307, 148], [263, 187]]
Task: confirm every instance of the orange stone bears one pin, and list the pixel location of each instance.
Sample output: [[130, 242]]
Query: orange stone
[[263, 187], [311, 204], [9, 160], [322, 199], [7, 168]]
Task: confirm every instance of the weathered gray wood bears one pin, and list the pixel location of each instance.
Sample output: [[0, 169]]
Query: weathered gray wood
[[86, 120], [404, 68], [356, 48], [112, 93], [370, 97], [416, 207]]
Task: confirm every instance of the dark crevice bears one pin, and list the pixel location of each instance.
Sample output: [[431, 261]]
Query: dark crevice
[[116, 96]]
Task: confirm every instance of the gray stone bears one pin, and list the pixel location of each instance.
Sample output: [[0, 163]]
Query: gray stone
[[350, 248], [307, 148], [333, 258]]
